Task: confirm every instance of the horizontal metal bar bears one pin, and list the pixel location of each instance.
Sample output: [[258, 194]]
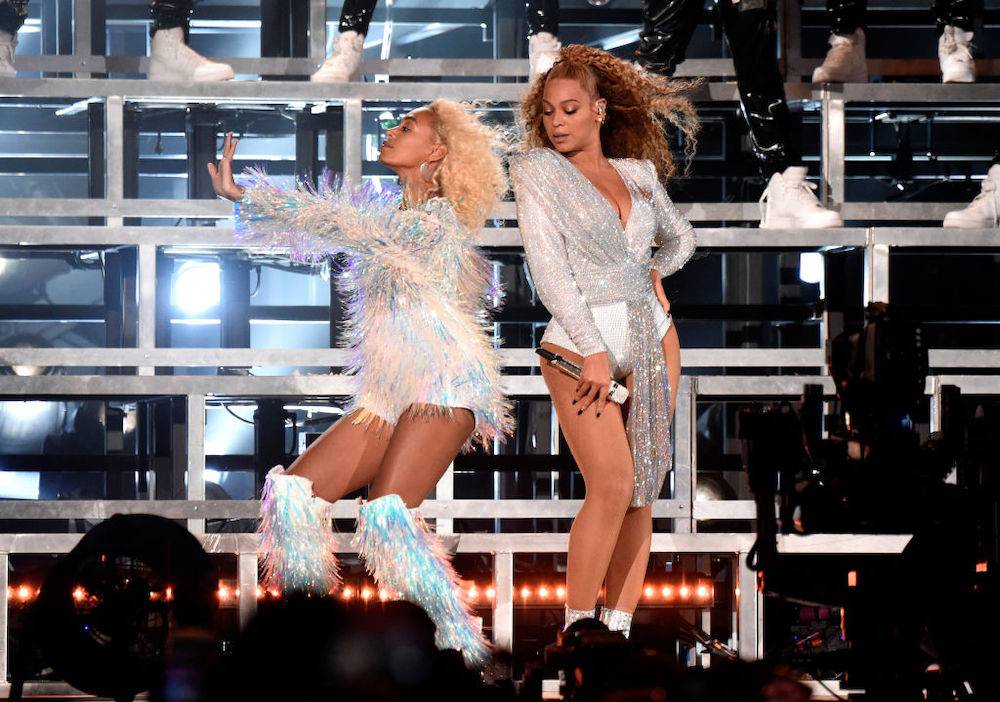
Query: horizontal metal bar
[[899, 211], [320, 385], [935, 237], [426, 67], [514, 358], [223, 237], [523, 543], [85, 207], [920, 92], [281, 92], [343, 509]]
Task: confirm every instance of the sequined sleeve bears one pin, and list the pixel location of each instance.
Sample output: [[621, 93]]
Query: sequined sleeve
[[674, 234], [548, 260]]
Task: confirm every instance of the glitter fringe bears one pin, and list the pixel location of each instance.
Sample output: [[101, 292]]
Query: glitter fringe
[[403, 556], [296, 542]]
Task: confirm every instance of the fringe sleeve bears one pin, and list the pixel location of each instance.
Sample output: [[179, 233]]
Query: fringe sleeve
[[314, 223]]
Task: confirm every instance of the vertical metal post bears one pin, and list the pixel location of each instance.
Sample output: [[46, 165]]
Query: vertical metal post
[[82, 35], [876, 272], [246, 567], [147, 301], [503, 601], [446, 491], [114, 148], [352, 140], [4, 619], [791, 39], [937, 404], [317, 30], [751, 613], [833, 128], [685, 476], [196, 456]]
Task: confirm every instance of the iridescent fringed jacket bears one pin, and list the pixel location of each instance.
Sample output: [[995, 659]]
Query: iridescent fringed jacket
[[582, 257], [417, 288]]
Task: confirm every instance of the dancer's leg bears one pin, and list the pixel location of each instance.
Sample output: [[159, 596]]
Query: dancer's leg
[[400, 552], [345, 458], [602, 453], [421, 449], [627, 569]]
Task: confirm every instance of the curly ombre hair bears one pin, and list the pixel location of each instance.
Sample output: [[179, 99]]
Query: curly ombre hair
[[471, 175], [641, 105]]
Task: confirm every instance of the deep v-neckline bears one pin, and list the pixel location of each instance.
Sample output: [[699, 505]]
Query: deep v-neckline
[[612, 205]]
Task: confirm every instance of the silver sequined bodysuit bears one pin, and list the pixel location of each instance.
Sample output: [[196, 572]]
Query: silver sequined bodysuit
[[587, 268]]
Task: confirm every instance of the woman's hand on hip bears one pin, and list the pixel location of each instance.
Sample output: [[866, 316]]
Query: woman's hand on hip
[[222, 172], [595, 382], [658, 290]]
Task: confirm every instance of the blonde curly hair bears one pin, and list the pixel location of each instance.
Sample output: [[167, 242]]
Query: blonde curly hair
[[471, 175], [641, 105]]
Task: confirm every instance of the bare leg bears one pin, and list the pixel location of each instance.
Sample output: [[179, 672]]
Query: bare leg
[[345, 458], [420, 451], [602, 453], [627, 569]]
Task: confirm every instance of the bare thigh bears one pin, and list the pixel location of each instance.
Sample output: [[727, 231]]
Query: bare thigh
[[345, 458], [599, 444], [422, 447]]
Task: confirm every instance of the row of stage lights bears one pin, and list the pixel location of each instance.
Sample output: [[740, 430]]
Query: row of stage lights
[[699, 593]]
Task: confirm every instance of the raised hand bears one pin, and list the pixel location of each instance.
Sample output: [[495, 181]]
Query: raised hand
[[222, 172]]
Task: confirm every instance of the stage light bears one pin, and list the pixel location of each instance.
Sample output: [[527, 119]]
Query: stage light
[[543, 592], [667, 592], [490, 593], [197, 286], [649, 591], [702, 592], [260, 593], [982, 567], [473, 593], [811, 267], [79, 594], [560, 592], [525, 593], [366, 594], [223, 593], [383, 595], [852, 578], [24, 593], [347, 594], [685, 592]]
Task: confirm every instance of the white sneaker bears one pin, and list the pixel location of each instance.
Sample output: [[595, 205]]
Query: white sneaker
[[543, 50], [955, 55], [845, 61], [8, 43], [171, 59], [984, 211], [789, 203], [343, 64]]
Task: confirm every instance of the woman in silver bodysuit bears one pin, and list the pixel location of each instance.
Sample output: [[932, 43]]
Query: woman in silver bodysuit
[[590, 206]]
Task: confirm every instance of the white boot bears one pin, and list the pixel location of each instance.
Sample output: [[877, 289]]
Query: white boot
[[791, 204], [543, 50], [171, 59], [984, 211], [955, 54], [8, 44], [343, 64], [845, 61]]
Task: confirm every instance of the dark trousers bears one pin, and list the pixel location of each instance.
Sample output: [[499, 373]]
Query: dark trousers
[[750, 31]]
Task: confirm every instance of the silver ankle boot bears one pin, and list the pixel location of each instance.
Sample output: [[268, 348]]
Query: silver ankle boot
[[575, 615], [617, 620]]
